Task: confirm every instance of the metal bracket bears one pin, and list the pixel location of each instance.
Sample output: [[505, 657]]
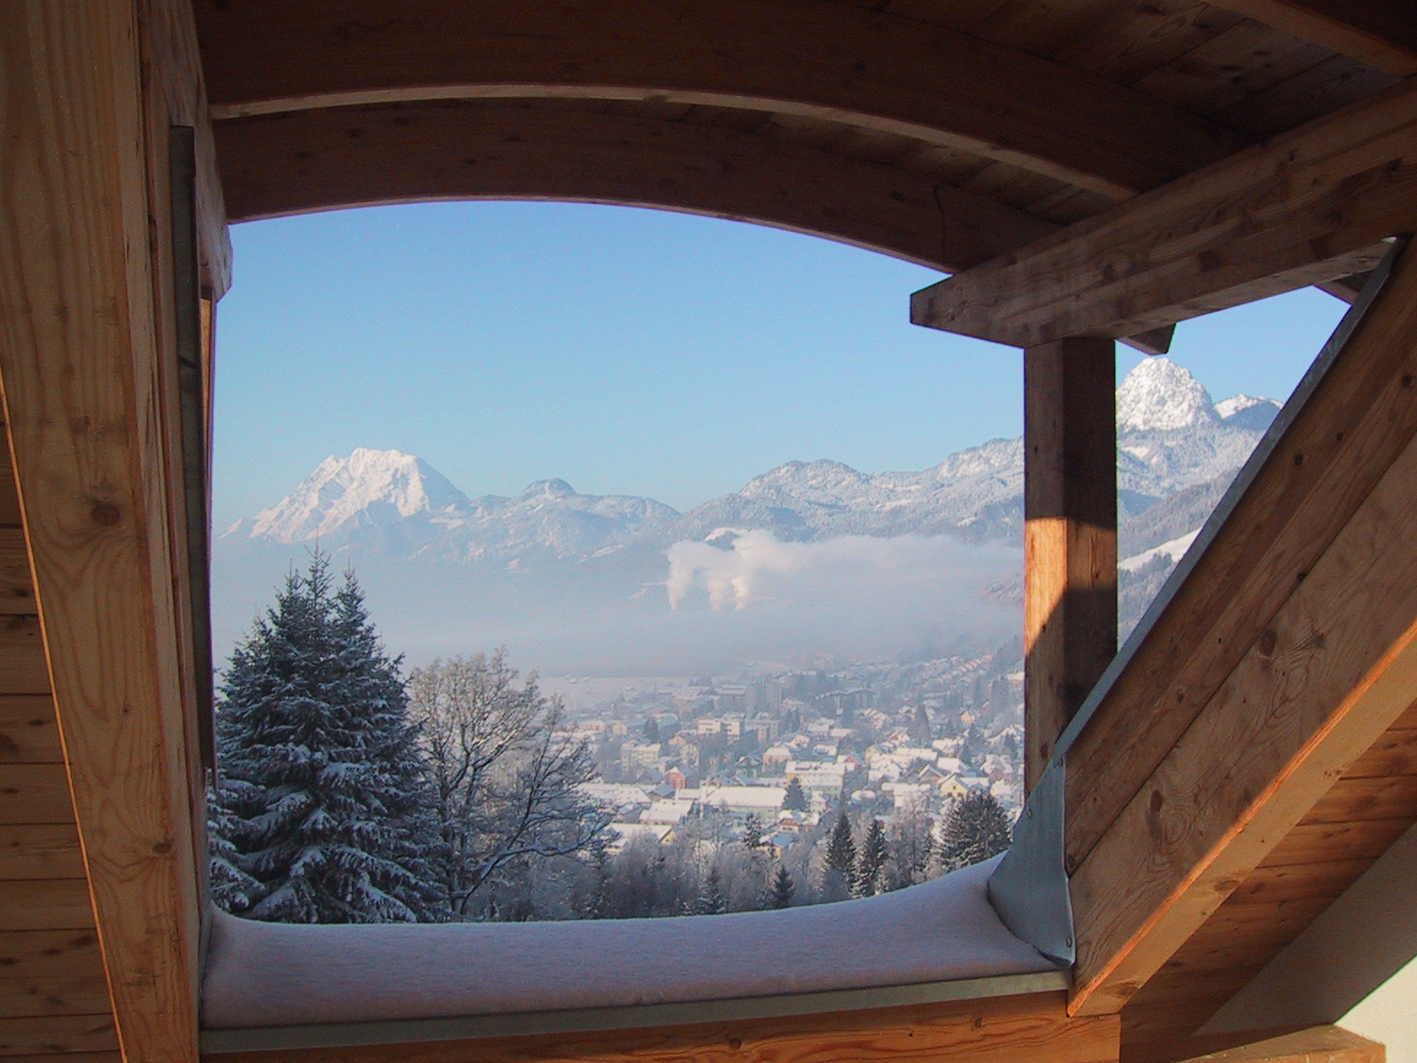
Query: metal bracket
[[1029, 888]]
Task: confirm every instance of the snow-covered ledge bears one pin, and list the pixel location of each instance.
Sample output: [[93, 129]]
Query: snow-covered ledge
[[268, 975]]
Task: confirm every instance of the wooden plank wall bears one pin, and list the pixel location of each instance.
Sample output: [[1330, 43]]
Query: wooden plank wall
[[53, 994], [1368, 808]]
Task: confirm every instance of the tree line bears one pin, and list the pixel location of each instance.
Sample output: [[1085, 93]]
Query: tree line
[[348, 794]]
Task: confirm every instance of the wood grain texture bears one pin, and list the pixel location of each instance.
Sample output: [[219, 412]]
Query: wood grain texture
[[1001, 1030], [9, 497], [1350, 430], [79, 363], [358, 156], [46, 904], [169, 43], [16, 587], [28, 730], [1383, 35], [40, 850], [1305, 207], [56, 1035], [32, 997], [1310, 843], [869, 69], [35, 793], [23, 669], [1070, 535], [1316, 1044], [26, 954], [1332, 670]]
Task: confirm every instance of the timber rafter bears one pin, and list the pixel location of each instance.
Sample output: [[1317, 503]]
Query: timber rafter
[[832, 61], [1307, 207], [1283, 656], [355, 156]]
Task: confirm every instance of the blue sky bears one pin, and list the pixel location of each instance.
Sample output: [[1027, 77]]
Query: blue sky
[[626, 351]]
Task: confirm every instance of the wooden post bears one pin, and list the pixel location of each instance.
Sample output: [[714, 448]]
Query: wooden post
[[1070, 534]]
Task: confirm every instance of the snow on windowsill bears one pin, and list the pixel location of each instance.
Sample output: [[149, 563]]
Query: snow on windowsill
[[268, 974]]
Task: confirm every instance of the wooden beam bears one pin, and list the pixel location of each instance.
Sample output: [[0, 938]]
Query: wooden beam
[[1306, 207], [316, 159], [1352, 425], [175, 68], [1345, 288], [1377, 32], [998, 1030], [82, 370], [1315, 1044], [1334, 667], [838, 62], [1070, 534]]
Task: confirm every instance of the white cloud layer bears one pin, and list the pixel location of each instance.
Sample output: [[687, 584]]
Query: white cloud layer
[[758, 566]]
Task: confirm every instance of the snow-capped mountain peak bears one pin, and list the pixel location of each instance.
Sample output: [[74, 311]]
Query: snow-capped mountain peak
[[363, 488], [1159, 395], [1228, 408]]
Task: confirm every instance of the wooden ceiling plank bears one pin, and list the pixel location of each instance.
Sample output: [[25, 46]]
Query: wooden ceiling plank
[[1319, 842], [1032, 1029], [1315, 1044], [1245, 59], [1378, 32], [834, 62], [39, 850], [317, 159], [56, 1035], [1323, 88], [22, 665], [9, 500], [49, 953], [30, 997], [1327, 676], [35, 793], [83, 378], [16, 587], [1327, 878], [1393, 754], [1145, 38], [1223, 236], [28, 732], [46, 904], [1358, 800]]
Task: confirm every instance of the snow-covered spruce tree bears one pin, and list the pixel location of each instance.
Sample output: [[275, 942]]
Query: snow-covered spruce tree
[[975, 829], [322, 815], [795, 798], [839, 870], [871, 861], [782, 889]]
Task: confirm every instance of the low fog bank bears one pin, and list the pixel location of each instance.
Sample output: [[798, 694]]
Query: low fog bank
[[697, 607]]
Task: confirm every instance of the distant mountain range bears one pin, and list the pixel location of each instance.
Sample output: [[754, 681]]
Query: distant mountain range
[[398, 520], [1171, 437]]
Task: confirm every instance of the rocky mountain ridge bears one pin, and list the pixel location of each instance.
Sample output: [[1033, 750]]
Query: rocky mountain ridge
[[1171, 437]]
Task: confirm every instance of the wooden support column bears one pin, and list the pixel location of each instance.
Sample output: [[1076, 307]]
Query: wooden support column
[[1070, 533], [88, 381]]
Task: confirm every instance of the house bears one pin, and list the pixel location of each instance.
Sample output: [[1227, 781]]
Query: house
[[1233, 788]]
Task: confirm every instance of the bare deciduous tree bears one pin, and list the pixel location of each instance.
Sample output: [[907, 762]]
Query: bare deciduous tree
[[507, 782]]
